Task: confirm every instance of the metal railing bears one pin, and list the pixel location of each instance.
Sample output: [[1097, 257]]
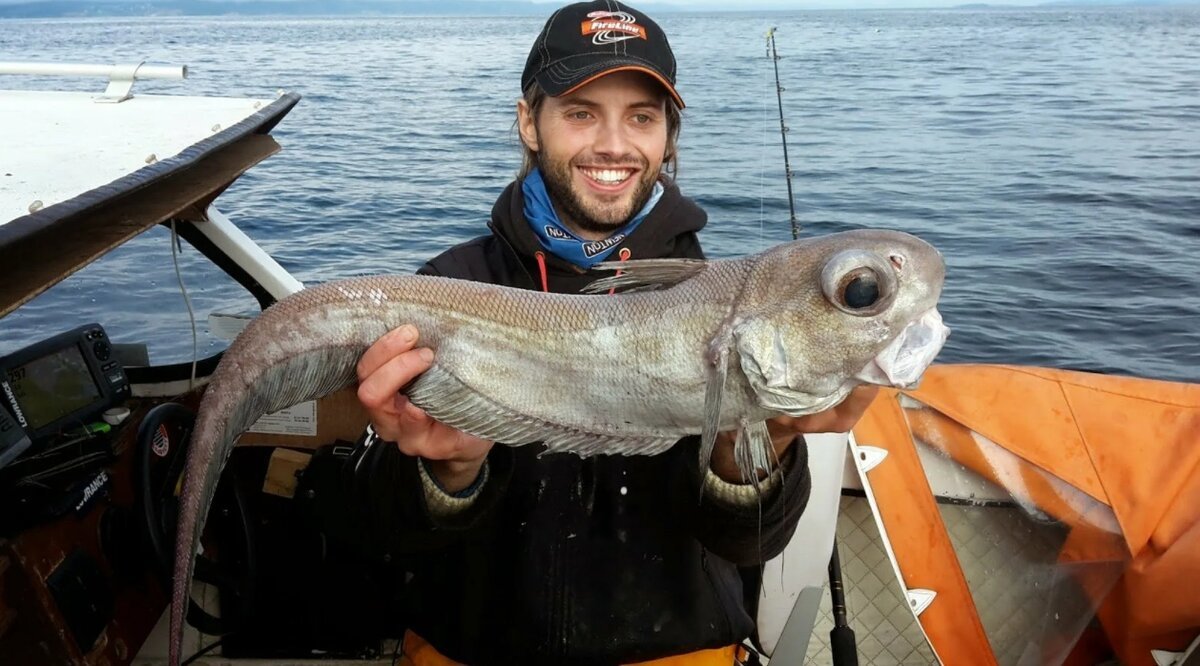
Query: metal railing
[[120, 77]]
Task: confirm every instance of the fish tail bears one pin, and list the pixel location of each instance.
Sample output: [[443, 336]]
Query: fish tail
[[181, 584], [233, 402], [199, 486]]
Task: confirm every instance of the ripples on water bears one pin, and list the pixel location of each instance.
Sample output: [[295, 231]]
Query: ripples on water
[[1051, 154]]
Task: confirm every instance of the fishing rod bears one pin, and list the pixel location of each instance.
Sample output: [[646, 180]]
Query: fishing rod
[[842, 642], [783, 130]]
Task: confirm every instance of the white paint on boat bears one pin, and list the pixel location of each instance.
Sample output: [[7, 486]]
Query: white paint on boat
[[59, 145]]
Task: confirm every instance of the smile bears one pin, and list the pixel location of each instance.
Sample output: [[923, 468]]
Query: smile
[[608, 176]]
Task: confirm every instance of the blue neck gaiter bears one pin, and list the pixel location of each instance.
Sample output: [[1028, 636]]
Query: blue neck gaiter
[[558, 240]]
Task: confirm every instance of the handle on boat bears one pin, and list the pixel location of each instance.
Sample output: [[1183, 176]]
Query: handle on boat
[[108, 71]]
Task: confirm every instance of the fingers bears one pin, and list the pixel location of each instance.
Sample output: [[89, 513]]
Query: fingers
[[391, 344], [399, 420], [839, 418], [409, 414], [389, 365], [386, 367], [419, 435], [858, 401], [846, 414], [377, 389]]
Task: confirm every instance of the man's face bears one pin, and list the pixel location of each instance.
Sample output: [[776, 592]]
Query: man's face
[[599, 149]]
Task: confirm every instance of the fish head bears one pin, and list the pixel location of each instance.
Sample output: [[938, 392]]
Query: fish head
[[823, 315]]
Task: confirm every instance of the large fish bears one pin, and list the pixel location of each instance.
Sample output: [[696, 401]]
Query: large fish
[[688, 347]]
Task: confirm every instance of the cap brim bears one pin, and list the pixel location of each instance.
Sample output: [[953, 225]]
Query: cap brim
[[605, 72]]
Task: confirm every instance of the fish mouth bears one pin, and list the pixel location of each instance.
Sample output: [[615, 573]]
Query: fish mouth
[[905, 359]]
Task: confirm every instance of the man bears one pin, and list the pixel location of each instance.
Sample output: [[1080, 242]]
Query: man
[[518, 558]]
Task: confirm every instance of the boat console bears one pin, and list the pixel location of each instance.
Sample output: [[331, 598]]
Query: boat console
[[64, 395], [64, 381], [73, 583], [13, 439]]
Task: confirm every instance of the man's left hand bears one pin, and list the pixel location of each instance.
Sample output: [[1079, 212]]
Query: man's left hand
[[784, 429]]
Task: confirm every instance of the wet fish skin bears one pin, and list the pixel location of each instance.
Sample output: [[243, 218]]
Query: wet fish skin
[[627, 374]]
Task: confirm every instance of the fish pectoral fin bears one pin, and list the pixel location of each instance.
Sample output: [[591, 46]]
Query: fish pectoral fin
[[714, 393], [645, 274], [449, 400], [754, 451]]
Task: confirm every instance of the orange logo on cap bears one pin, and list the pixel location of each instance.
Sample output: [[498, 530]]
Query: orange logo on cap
[[610, 27]]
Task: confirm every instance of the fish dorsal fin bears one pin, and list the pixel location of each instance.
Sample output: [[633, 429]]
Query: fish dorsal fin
[[645, 274], [449, 400]]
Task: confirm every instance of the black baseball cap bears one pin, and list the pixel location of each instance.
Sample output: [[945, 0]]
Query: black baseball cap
[[587, 40]]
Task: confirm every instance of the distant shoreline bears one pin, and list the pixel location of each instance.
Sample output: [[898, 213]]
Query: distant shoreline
[[213, 8], [428, 8]]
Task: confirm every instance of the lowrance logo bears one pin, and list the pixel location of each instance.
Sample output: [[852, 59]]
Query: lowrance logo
[[16, 406], [91, 489]]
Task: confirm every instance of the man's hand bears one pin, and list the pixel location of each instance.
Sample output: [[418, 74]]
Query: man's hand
[[389, 365], [839, 418]]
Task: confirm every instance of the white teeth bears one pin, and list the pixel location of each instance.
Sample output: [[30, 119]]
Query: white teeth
[[607, 176]]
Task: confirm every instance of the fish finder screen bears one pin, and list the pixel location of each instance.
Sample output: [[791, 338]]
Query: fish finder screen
[[53, 386]]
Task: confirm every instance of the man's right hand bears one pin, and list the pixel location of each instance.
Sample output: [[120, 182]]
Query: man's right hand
[[387, 366]]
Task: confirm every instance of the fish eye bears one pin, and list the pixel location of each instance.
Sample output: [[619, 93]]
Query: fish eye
[[860, 289], [859, 282]]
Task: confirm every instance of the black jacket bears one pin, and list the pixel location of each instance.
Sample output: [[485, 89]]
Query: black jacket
[[560, 559]]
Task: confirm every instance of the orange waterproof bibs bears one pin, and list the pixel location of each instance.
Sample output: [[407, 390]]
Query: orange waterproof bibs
[[417, 652]]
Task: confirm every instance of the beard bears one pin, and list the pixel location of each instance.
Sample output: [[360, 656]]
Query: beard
[[591, 215]]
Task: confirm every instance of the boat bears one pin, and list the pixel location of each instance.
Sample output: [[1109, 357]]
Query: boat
[[994, 515]]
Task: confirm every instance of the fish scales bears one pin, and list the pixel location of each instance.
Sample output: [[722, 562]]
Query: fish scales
[[727, 344], [527, 351]]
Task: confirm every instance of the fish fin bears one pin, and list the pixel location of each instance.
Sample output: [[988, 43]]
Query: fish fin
[[301, 377], [449, 400], [753, 451], [714, 393], [645, 274], [588, 444]]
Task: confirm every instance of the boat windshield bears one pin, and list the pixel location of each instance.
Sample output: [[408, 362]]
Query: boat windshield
[[134, 292]]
